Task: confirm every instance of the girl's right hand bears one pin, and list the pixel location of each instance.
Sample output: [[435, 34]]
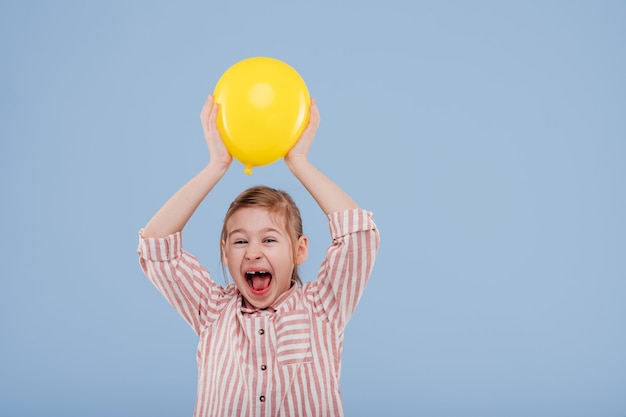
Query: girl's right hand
[[301, 149], [217, 150]]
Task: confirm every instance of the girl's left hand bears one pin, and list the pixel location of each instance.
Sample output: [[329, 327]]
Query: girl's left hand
[[301, 148]]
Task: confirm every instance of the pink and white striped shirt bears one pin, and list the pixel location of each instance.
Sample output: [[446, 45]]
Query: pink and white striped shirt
[[281, 361]]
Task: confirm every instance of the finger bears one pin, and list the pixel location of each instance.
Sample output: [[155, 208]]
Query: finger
[[208, 105], [213, 115], [314, 119]]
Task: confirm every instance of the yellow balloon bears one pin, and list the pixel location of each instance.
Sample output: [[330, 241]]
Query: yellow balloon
[[264, 107]]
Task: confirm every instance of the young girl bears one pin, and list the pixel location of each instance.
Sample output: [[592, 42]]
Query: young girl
[[269, 346]]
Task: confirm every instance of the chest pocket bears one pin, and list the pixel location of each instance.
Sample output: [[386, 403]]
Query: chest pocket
[[293, 334]]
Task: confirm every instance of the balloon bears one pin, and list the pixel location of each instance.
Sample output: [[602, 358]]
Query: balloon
[[263, 109]]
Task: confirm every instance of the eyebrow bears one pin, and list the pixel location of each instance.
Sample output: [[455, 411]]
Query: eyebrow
[[266, 230]]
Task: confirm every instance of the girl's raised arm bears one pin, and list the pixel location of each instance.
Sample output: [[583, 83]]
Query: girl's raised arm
[[175, 213], [328, 195]]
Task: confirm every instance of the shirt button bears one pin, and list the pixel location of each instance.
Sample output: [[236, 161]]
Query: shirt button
[[263, 367], [262, 398], [261, 331]]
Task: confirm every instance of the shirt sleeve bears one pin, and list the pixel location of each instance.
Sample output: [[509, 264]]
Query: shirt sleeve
[[348, 263], [181, 279]]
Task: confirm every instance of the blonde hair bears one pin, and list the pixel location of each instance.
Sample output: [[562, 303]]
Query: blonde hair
[[277, 202]]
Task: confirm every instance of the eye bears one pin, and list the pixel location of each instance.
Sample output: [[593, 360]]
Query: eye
[[269, 240], [239, 242]]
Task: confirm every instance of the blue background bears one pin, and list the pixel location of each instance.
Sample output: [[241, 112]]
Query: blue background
[[489, 138]]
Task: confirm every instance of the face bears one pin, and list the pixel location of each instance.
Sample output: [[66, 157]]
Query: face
[[259, 255]]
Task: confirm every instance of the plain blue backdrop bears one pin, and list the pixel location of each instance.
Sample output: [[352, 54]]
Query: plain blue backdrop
[[488, 137]]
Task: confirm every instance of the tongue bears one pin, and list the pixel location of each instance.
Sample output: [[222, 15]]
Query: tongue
[[260, 282]]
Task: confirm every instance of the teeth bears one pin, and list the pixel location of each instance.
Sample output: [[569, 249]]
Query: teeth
[[256, 272]]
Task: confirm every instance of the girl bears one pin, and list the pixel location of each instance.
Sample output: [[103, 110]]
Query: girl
[[269, 346]]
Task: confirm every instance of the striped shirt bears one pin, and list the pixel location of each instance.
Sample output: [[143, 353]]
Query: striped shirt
[[281, 361]]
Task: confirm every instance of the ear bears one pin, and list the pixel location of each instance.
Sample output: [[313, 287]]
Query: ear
[[302, 250], [224, 256]]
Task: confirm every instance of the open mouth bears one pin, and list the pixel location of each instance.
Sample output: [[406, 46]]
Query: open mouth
[[258, 281]]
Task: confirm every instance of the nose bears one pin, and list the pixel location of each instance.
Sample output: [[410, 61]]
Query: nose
[[253, 252]]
